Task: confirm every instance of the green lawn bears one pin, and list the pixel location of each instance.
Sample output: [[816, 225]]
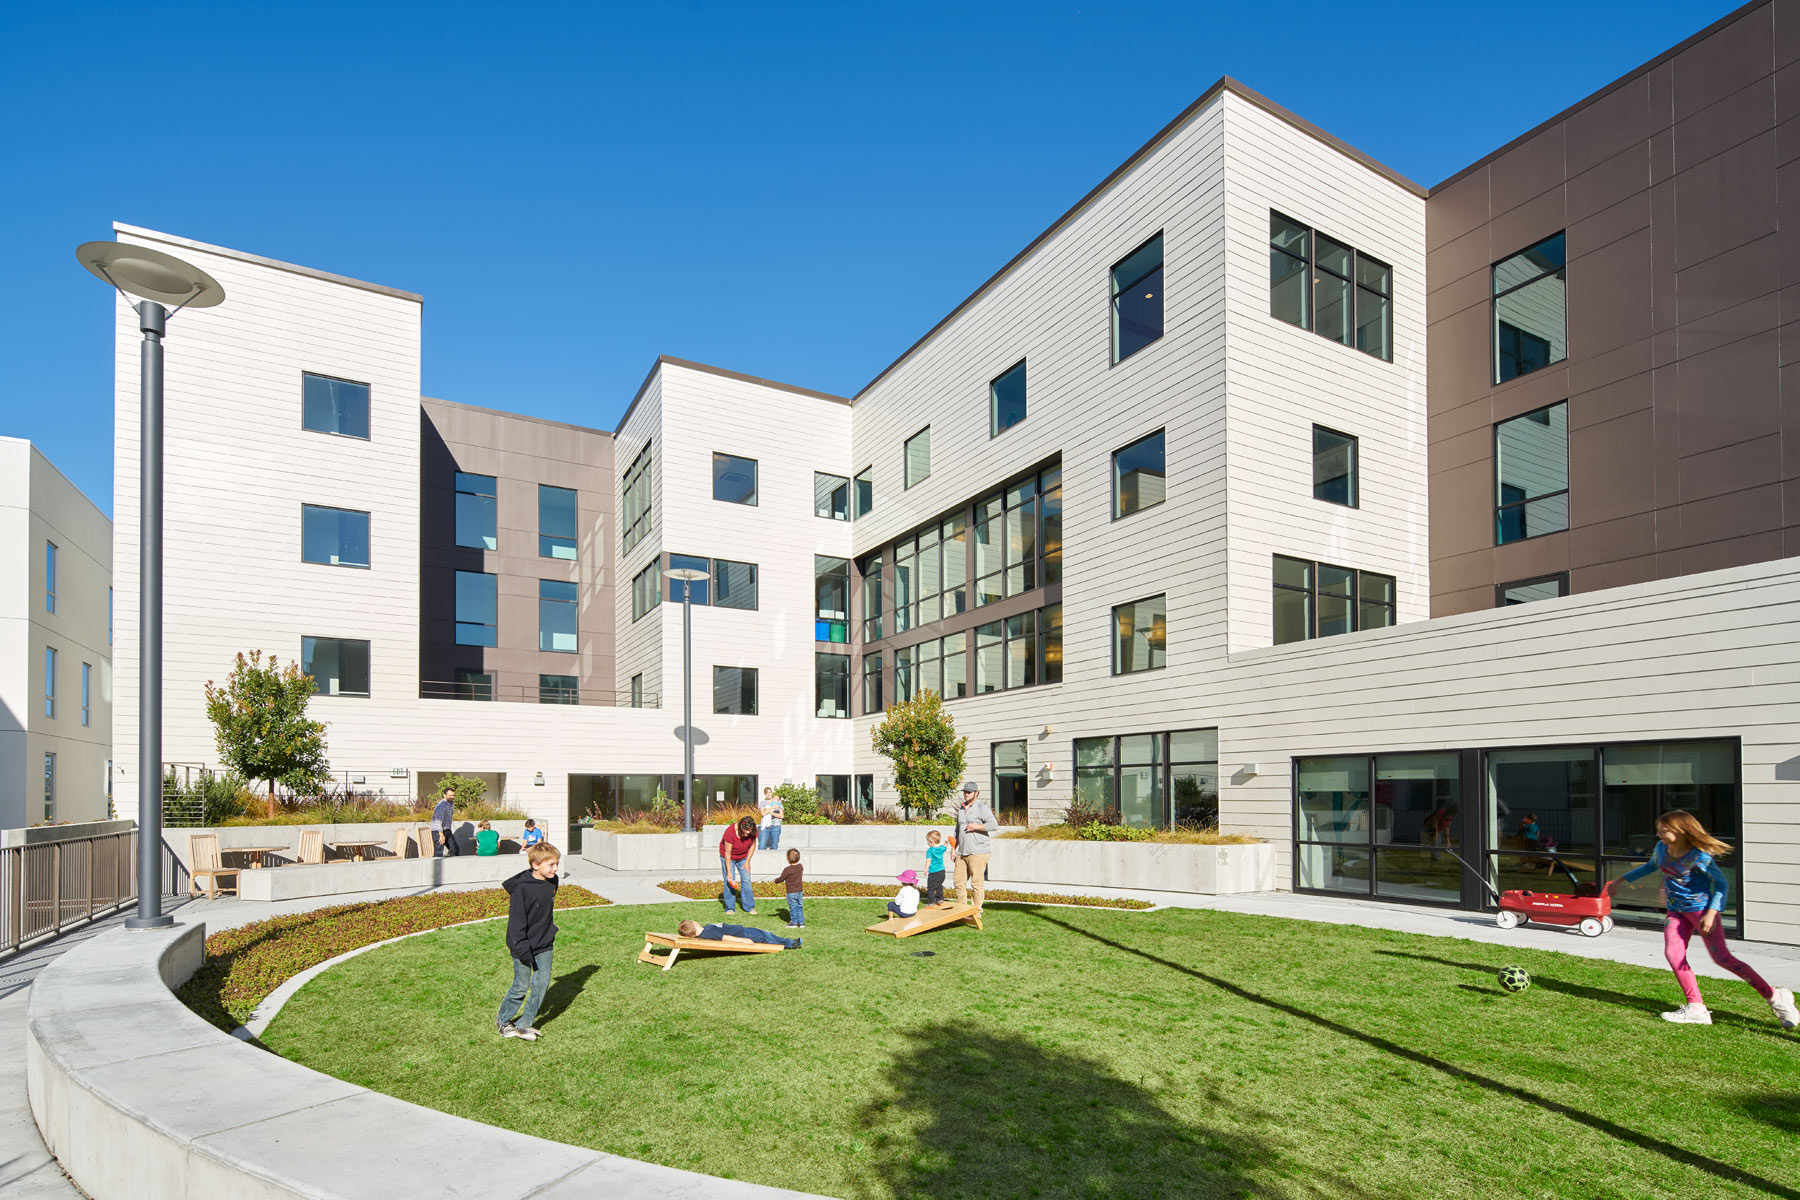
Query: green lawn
[[1084, 1053]]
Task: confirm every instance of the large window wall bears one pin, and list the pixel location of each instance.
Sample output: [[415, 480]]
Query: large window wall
[[1151, 780]]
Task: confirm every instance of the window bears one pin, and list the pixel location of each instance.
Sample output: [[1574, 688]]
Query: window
[[1018, 537], [831, 583], [635, 500], [1151, 780], [558, 689], [1012, 653], [336, 537], [1318, 283], [931, 571], [831, 684], [871, 598], [940, 665], [864, 497], [1138, 478], [734, 479], [109, 615], [646, 589], [49, 788], [865, 793], [918, 457], [871, 693], [832, 789], [698, 591], [1006, 401], [637, 690], [50, 577], [1524, 591], [338, 666], [734, 690], [1137, 299], [330, 405], [556, 522], [474, 685], [475, 516], [477, 609], [1317, 600], [1530, 310], [1140, 635], [1531, 474], [49, 681], [1380, 825], [733, 584], [1334, 467], [558, 616], [831, 496], [1008, 783], [86, 693]]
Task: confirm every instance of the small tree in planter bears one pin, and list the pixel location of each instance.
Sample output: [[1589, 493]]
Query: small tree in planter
[[919, 738], [263, 732], [469, 790]]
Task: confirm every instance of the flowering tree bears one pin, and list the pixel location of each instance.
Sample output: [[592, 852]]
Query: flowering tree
[[263, 732], [919, 739]]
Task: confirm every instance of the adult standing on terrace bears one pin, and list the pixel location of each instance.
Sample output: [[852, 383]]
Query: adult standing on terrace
[[443, 824], [736, 849], [975, 825]]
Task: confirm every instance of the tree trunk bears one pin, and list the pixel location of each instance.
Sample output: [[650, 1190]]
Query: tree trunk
[[271, 799]]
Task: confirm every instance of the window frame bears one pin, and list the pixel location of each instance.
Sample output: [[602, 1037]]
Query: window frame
[[1165, 762], [907, 481], [348, 566], [1311, 592], [573, 604], [473, 683], [863, 479], [1353, 282], [1161, 431], [87, 670], [843, 484], [873, 695], [370, 668], [995, 429], [1118, 289], [635, 527], [50, 657], [1114, 631], [1355, 472], [755, 479], [574, 538], [1494, 298], [369, 401], [50, 786], [553, 693], [51, 553], [839, 675], [457, 621], [745, 674], [713, 599], [1521, 505], [651, 578], [836, 576], [493, 497], [637, 690], [1560, 578]]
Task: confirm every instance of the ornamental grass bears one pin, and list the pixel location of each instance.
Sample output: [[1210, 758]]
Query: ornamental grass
[[700, 889]]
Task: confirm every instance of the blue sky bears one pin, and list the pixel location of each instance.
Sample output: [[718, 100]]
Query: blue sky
[[797, 191]]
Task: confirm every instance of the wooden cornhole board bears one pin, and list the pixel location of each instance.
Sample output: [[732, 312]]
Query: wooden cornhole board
[[676, 944], [927, 918]]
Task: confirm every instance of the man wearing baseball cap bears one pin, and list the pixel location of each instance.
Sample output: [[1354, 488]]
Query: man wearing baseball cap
[[975, 823]]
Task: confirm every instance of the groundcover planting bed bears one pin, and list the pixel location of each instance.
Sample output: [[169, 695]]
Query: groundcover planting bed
[[700, 889], [1084, 1053], [245, 964]]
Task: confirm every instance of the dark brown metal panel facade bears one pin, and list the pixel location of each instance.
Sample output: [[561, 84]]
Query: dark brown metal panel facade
[[1679, 189]]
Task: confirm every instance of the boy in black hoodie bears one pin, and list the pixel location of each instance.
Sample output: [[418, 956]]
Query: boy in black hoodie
[[530, 936]]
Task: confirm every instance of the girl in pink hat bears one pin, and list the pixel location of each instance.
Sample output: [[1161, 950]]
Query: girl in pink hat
[[906, 904]]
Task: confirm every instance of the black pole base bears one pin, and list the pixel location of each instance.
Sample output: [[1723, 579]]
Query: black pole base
[[163, 921]]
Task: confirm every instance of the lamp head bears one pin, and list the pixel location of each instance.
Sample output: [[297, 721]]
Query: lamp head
[[150, 274], [691, 574]]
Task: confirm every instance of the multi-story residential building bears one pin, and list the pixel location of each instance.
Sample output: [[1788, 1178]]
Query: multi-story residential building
[[1176, 511], [56, 721]]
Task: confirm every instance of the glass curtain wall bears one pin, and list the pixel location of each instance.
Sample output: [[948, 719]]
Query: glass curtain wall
[[1381, 825], [1151, 780]]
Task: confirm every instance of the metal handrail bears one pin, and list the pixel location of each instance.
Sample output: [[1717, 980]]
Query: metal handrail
[[514, 693], [51, 887]]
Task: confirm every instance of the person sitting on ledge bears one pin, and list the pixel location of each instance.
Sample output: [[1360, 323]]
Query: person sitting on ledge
[[486, 840], [734, 933]]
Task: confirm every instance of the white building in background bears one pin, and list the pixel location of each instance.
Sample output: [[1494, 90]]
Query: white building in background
[[1158, 542], [56, 721]]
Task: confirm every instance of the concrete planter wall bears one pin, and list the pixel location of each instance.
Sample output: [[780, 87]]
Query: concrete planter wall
[[38, 835], [288, 836], [824, 849], [379, 874], [1208, 870]]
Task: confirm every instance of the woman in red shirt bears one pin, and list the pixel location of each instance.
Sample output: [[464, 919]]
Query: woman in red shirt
[[736, 849]]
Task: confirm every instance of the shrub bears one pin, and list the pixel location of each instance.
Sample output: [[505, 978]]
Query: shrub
[[1093, 831], [695, 889], [261, 727], [663, 810], [245, 964], [469, 790], [800, 805]]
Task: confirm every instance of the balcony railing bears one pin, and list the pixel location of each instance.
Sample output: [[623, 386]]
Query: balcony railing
[[512, 693], [49, 887]]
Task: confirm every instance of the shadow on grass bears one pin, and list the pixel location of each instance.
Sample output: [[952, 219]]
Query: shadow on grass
[[563, 991], [979, 1117], [1780, 1110], [1644, 1004], [1612, 1129]]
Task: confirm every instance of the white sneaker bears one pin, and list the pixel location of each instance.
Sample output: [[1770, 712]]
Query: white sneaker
[[1782, 1005], [1690, 1014]]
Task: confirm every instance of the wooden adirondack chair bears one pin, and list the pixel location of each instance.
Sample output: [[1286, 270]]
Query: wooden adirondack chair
[[400, 840], [312, 846], [203, 849]]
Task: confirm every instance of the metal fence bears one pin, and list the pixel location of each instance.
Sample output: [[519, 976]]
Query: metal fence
[[52, 887]]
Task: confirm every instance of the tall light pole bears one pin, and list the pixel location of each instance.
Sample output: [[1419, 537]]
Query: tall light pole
[[155, 280], [689, 577]]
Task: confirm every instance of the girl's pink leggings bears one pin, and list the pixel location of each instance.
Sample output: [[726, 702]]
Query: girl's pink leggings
[[1676, 932]]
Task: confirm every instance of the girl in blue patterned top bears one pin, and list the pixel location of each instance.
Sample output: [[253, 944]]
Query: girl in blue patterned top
[[1695, 890]]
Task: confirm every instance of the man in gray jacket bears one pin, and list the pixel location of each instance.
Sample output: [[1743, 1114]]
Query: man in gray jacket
[[975, 825]]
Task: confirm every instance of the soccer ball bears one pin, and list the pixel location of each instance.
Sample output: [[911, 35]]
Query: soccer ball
[[1514, 979]]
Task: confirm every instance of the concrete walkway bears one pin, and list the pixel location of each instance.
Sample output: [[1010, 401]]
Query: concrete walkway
[[28, 1172]]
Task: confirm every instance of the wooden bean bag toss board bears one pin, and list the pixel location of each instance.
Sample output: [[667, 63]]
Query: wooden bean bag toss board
[[927, 918], [676, 944]]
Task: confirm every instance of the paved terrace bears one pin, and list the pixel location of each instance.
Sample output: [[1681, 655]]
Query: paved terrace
[[29, 1172]]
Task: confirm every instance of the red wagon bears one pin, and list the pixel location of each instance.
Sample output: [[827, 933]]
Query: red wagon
[[1589, 909]]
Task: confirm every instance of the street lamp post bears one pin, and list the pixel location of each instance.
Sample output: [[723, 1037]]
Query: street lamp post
[[689, 576], [150, 280]]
